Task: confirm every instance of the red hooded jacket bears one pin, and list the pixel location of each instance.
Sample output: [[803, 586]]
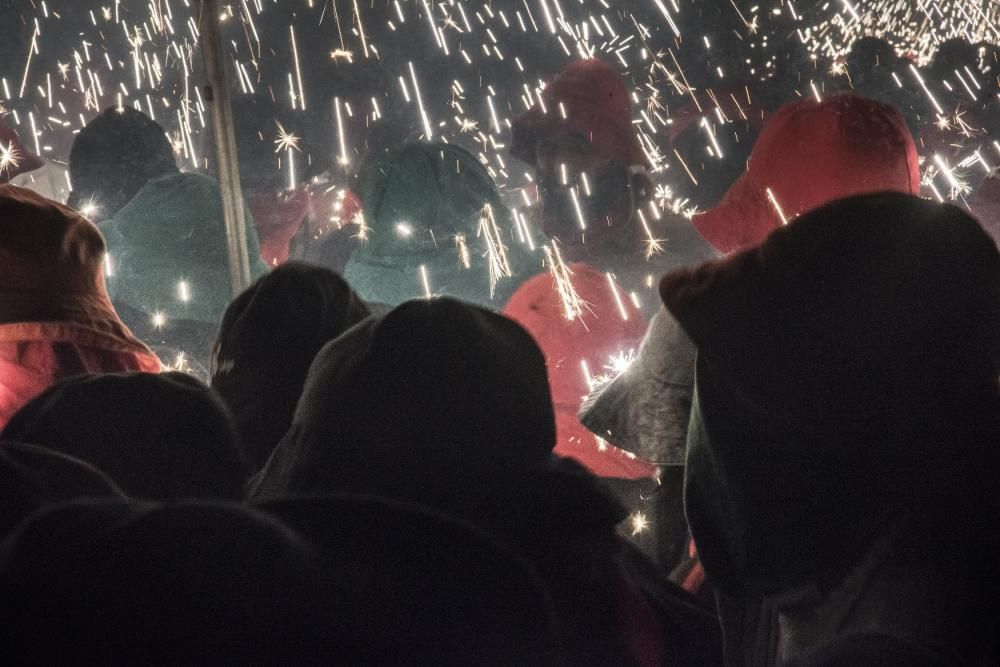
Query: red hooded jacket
[[600, 332], [808, 154], [56, 319]]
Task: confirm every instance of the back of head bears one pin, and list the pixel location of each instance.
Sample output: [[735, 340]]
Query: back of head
[[266, 342], [871, 52], [434, 385], [158, 436], [808, 154], [418, 587], [855, 349], [113, 157], [129, 583], [954, 54]]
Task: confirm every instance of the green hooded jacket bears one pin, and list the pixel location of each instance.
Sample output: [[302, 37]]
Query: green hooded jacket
[[172, 232], [425, 206]]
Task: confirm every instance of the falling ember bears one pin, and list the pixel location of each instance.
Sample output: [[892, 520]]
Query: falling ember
[[420, 104], [654, 246], [109, 268], [639, 523], [496, 251], [183, 291], [579, 211], [426, 282], [463, 251], [777, 206], [159, 319], [562, 277], [8, 158], [341, 139], [618, 297]]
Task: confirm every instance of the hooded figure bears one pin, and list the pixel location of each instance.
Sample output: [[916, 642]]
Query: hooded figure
[[165, 230], [31, 476], [268, 338], [433, 221], [607, 328], [447, 405], [113, 157], [810, 153], [115, 582], [591, 181], [845, 421], [55, 316], [159, 436], [418, 587]]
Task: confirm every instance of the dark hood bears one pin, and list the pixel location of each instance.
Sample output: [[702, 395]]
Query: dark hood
[[159, 436], [269, 336], [847, 369], [435, 384]]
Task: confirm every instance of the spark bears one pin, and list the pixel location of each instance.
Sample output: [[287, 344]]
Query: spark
[[426, 281], [617, 296], [286, 140], [639, 523], [496, 251], [654, 246], [777, 206], [159, 319], [562, 278], [576, 207], [9, 158], [464, 256], [183, 291], [428, 132]]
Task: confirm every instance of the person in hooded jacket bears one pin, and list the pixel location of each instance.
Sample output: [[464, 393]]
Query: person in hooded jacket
[[592, 186], [603, 331], [125, 582], [56, 319], [266, 343], [809, 153], [433, 222], [160, 437], [842, 460], [165, 231], [447, 405]]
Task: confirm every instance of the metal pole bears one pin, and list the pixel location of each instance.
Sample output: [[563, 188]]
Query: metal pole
[[220, 105]]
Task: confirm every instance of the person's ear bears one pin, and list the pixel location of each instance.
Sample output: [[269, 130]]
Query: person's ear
[[642, 187]]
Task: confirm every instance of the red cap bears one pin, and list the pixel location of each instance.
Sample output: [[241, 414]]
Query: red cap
[[601, 332], [22, 160], [809, 154], [597, 108]]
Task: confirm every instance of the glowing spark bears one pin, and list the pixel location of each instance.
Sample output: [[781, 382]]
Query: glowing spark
[[617, 296], [343, 159], [298, 70], [579, 211], [420, 104], [639, 523], [286, 140], [562, 277], [777, 206], [654, 246], [183, 291], [159, 319], [464, 256], [8, 158], [496, 251], [426, 281]]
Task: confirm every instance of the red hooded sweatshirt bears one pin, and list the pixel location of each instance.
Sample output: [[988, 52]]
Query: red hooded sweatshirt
[[601, 331], [808, 154], [56, 319]]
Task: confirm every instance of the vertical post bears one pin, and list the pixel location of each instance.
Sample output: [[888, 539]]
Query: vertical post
[[220, 106]]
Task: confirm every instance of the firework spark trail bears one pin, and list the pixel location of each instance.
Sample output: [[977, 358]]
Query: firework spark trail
[[496, 252], [562, 278]]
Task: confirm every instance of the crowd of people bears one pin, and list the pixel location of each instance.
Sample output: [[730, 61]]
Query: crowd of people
[[419, 438]]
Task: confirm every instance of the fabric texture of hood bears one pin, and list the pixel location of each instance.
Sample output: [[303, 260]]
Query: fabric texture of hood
[[857, 348], [159, 436], [808, 154], [171, 232], [646, 407], [31, 476], [433, 384], [114, 156], [591, 340], [431, 208], [269, 336], [589, 99]]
